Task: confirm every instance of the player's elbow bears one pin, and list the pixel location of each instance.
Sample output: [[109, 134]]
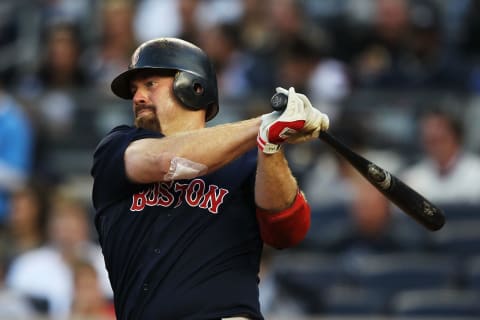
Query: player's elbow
[[146, 166]]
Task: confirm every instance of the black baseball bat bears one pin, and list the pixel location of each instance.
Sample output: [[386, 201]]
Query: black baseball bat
[[394, 189]]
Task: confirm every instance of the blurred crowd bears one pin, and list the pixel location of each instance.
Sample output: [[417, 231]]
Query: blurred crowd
[[399, 79]]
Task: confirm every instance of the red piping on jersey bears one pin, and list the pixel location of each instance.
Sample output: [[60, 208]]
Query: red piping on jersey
[[285, 228]]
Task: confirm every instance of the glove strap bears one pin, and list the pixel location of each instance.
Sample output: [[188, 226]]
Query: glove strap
[[267, 147]]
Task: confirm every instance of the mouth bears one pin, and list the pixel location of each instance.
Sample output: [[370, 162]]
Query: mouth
[[142, 110]]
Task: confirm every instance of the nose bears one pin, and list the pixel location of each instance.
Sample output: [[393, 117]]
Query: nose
[[139, 97]]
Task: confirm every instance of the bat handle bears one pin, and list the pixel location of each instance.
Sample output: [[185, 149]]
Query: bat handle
[[279, 103]]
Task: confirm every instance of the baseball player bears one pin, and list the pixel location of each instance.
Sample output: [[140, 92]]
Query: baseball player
[[183, 210]]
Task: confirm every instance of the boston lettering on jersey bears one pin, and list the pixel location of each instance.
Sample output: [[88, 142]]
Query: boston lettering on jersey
[[196, 193]]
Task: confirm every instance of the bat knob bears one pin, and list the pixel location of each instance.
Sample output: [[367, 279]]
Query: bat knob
[[279, 101]]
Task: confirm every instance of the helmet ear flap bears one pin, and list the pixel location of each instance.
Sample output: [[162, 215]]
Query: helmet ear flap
[[191, 90]]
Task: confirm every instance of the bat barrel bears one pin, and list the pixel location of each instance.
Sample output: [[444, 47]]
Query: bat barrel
[[394, 189]]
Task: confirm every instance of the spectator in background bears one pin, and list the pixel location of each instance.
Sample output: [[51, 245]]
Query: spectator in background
[[296, 61], [309, 67], [64, 11], [378, 53], [59, 65], [13, 305], [405, 49], [469, 29], [371, 216], [182, 18], [236, 68], [329, 173], [9, 36], [329, 85], [292, 31], [115, 41], [188, 14], [448, 172], [46, 273], [26, 221], [431, 63], [50, 91], [242, 77], [17, 141], [468, 41], [146, 24], [289, 21], [89, 301], [254, 26]]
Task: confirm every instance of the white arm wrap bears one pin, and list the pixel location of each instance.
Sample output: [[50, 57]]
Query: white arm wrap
[[181, 168]]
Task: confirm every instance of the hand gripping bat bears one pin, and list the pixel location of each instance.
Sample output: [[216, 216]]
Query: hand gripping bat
[[407, 199]]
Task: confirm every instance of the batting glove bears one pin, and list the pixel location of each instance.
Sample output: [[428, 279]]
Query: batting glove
[[315, 121], [277, 127]]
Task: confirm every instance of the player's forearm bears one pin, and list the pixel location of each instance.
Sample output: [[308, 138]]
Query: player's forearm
[[217, 146], [283, 213], [275, 186], [148, 160]]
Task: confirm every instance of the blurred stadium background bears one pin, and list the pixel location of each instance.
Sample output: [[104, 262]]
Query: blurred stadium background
[[374, 66]]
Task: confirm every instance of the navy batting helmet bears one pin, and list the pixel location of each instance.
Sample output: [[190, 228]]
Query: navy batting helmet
[[195, 83]]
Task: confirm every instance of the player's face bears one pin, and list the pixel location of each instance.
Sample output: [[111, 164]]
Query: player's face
[[152, 99]]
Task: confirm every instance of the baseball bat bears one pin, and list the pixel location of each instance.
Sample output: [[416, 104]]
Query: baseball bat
[[394, 189]]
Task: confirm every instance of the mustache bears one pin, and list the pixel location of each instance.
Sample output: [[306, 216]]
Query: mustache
[[139, 108]]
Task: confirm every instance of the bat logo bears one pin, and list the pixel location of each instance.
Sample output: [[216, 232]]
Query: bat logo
[[380, 177], [428, 209]]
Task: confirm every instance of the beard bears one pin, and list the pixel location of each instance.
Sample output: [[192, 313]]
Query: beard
[[148, 121]]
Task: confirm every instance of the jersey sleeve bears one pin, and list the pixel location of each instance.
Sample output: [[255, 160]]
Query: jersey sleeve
[[108, 170]]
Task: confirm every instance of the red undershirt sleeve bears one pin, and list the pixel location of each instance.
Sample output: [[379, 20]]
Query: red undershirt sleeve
[[288, 227]]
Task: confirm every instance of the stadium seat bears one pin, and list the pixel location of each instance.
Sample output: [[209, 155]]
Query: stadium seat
[[393, 272], [458, 238], [344, 300], [471, 273], [330, 225], [461, 211], [451, 303], [304, 276]]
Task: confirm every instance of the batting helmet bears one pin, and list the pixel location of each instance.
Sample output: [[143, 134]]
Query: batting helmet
[[195, 83]]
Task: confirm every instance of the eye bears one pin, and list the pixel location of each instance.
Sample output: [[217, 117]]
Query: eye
[[150, 83]]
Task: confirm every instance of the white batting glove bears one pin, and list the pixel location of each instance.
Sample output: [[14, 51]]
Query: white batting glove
[[315, 121], [262, 138], [277, 127]]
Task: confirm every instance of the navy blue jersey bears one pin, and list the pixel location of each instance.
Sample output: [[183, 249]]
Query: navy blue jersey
[[186, 249]]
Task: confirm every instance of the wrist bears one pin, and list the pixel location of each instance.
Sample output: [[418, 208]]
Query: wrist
[[267, 147]]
